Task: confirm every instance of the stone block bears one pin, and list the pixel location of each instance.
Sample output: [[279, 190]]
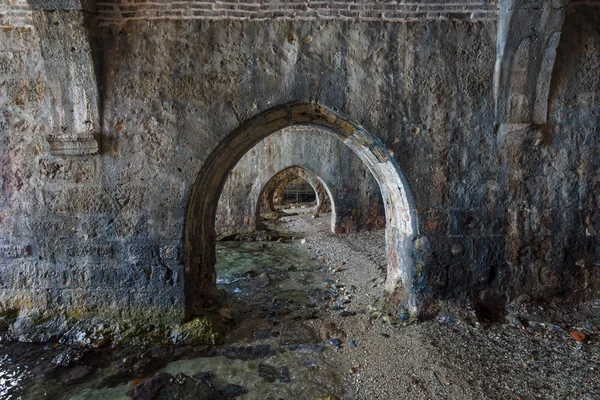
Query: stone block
[[6, 275], [97, 251], [19, 63], [488, 258], [131, 225], [80, 144], [18, 38], [23, 299], [15, 251], [89, 199], [141, 253], [79, 170]]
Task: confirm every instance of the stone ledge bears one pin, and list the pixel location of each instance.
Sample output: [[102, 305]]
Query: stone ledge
[[73, 144]]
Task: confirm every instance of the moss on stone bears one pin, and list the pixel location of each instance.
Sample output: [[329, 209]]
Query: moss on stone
[[391, 308], [155, 316], [201, 330], [76, 313], [271, 216], [9, 315]]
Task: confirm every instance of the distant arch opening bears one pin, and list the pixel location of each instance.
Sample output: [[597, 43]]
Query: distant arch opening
[[273, 193], [298, 191], [199, 236]]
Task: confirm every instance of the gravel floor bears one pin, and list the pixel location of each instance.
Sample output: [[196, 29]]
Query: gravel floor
[[530, 355]]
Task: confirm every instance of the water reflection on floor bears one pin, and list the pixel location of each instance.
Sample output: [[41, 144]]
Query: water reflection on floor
[[11, 377], [266, 269], [276, 294]]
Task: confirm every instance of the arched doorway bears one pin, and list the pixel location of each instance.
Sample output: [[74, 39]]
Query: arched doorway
[[325, 200], [199, 232]]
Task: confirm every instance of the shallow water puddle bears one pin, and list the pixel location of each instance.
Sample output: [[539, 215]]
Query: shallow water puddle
[[299, 376], [245, 267], [11, 377], [114, 393], [275, 291]]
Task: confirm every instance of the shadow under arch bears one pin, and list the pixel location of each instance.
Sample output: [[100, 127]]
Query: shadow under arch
[[199, 236], [269, 186]]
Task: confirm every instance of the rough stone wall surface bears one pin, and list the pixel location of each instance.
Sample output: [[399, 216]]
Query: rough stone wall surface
[[355, 192], [67, 46], [15, 13], [69, 238], [513, 210], [23, 126], [562, 219]]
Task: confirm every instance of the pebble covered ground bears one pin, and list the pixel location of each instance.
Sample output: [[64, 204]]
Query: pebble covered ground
[[534, 353]]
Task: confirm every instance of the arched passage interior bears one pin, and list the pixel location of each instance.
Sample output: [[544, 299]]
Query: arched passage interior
[[325, 200], [295, 188], [199, 230], [296, 191]]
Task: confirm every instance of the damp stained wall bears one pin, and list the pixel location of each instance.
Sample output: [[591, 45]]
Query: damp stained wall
[[108, 111]]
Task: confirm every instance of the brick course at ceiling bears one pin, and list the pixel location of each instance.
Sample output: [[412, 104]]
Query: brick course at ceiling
[[18, 12], [118, 12]]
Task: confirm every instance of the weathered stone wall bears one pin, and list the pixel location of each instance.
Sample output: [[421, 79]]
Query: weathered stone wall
[[562, 219], [71, 237], [23, 126], [508, 208], [355, 192], [544, 201]]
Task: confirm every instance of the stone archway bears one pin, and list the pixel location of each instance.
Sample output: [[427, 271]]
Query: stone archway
[[325, 201], [199, 232], [323, 194]]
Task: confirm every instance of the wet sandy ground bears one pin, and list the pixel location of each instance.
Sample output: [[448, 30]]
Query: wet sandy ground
[[303, 327]]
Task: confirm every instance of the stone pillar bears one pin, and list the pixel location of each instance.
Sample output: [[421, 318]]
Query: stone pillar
[[528, 36], [66, 45]]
